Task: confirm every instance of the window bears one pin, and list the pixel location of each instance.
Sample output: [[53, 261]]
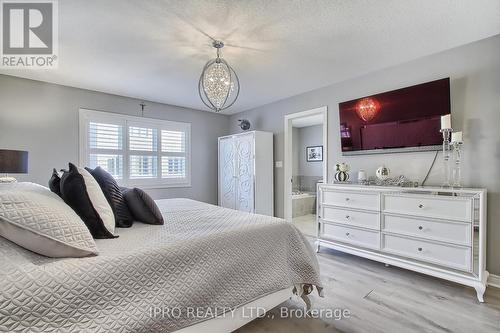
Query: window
[[136, 151]]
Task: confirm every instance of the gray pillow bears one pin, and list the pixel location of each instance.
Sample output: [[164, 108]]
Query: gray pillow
[[38, 220], [142, 206]]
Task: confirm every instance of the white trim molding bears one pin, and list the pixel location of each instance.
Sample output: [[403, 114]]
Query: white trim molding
[[494, 281], [287, 189], [86, 116]]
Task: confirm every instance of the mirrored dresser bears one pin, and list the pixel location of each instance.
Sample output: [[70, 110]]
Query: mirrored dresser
[[435, 231]]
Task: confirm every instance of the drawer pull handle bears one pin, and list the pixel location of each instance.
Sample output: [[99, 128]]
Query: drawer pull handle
[[420, 228], [420, 206], [420, 249], [347, 199], [347, 234], [347, 217]]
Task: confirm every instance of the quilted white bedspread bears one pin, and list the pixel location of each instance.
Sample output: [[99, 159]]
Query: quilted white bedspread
[[204, 256]]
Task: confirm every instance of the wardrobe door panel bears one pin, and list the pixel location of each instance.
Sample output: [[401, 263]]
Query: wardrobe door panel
[[245, 172], [227, 173]]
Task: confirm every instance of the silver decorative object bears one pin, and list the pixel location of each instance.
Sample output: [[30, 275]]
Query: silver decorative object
[[457, 157], [446, 155], [219, 86], [244, 124], [382, 173], [400, 181]]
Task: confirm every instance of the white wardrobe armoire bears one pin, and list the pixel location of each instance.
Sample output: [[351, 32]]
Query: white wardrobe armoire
[[246, 172]]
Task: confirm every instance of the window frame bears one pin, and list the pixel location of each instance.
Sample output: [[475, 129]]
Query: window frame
[[87, 115]]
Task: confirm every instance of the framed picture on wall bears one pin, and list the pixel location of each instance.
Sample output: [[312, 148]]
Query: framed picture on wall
[[314, 154]]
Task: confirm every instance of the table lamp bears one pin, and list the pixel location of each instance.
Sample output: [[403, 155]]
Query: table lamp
[[12, 161]]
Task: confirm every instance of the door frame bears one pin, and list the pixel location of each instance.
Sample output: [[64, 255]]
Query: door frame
[[287, 163]]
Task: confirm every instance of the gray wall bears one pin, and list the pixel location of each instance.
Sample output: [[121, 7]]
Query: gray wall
[[303, 137], [43, 119], [309, 136], [474, 70]]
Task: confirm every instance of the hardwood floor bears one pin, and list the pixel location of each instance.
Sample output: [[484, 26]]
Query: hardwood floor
[[306, 224], [386, 299]]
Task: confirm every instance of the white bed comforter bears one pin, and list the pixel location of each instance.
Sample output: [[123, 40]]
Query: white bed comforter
[[204, 257]]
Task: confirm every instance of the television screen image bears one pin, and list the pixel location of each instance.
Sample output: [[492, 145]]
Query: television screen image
[[406, 119]]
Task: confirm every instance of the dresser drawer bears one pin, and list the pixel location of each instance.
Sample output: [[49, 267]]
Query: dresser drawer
[[453, 208], [458, 257], [453, 232], [360, 237], [352, 217], [368, 201]]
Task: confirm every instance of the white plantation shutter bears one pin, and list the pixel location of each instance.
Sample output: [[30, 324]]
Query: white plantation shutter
[[173, 141], [105, 136], [143, 138], [142, 144], [143, 167], [105, 141], [173, 167], [111, 163], [136, 151], [173, 160]]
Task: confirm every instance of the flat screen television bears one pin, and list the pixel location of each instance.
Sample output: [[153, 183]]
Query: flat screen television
[[401, 120]]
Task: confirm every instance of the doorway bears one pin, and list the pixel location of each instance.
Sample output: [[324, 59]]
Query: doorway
[[305, 165]]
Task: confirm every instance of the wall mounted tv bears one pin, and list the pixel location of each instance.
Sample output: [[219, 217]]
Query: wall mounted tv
[[402, 120]]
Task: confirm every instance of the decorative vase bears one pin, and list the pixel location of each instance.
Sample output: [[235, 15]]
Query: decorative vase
[[341, 176]]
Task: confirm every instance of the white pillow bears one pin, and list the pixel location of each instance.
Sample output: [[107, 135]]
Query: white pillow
[[38, 220], [98, 199]]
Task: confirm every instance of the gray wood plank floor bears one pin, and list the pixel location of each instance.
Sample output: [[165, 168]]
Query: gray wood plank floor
[[386, 299]]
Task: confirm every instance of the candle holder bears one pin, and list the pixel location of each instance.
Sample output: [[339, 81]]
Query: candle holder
[[446, 155], [457, 157]]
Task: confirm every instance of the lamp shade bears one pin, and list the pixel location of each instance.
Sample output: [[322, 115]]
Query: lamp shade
[[13, 161]]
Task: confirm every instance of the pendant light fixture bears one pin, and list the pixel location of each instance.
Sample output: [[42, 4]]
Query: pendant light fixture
[[367, 108], [219, 85]]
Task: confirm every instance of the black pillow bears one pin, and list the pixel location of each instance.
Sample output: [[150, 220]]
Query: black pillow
[[74, 193], [54, 182], [111, 190], [142, 207]]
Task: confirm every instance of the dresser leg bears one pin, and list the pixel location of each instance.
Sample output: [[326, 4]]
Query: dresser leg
[[480, 290], [316, 244]]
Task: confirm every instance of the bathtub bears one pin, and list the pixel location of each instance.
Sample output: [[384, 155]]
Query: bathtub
[[301, 195], [303, 203]]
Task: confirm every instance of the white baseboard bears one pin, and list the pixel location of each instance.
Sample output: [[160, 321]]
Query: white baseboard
[[494, 281]]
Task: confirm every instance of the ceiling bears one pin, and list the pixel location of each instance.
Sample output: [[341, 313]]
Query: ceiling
[[155, 50]]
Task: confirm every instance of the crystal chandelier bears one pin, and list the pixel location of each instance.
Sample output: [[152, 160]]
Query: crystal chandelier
[[368, 108], [219, 85]]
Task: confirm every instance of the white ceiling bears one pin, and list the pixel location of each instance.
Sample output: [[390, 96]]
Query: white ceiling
[[316, 119], [154, 50]]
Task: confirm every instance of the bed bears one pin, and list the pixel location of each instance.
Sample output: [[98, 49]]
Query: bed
[[204, 257]]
